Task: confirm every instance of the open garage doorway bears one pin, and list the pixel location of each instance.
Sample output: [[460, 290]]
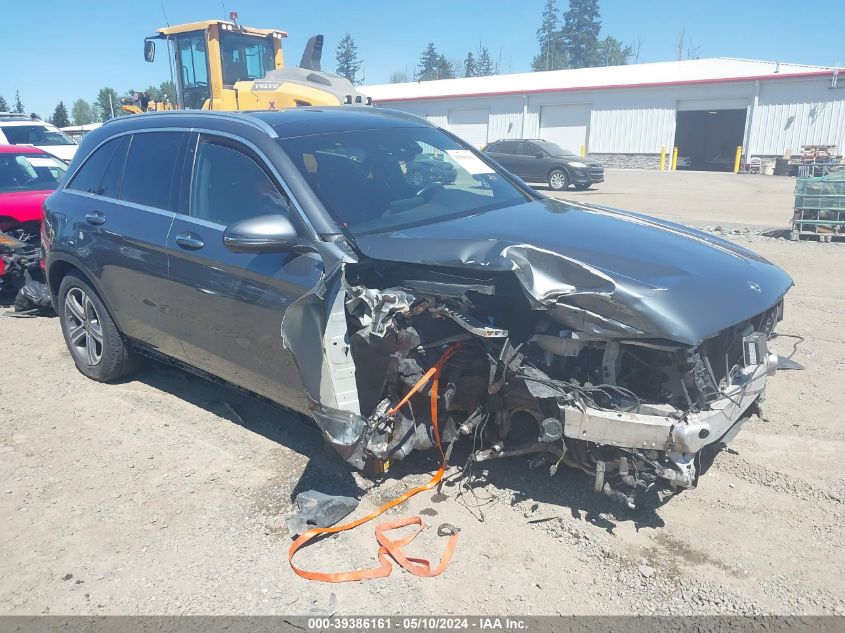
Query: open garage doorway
[[707, 139]]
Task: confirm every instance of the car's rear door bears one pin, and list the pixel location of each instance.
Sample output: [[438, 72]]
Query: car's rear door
[[121, 205], [506, 155], [231, 304]]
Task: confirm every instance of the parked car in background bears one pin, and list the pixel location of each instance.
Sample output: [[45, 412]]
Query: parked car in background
[[27, 176], [536, 160], [428, 168], [287, 253], [21, 129]]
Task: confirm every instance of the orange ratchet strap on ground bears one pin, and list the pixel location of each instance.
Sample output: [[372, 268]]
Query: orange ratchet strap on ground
[[387, 547]]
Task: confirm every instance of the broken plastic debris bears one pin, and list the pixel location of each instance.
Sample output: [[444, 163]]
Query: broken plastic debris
[[316, 509]]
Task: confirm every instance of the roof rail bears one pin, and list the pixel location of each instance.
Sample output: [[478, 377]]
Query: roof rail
[[242, 117]]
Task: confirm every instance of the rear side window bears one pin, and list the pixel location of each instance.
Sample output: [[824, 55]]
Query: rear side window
[[229, 186], [149, 177], [90, 175], [508, 147]]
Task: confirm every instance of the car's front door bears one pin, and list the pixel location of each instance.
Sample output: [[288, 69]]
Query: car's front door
[[535, 162], [232, 304]]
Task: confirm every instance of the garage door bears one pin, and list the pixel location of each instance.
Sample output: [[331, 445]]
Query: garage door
[[565, 125], [470, 124]]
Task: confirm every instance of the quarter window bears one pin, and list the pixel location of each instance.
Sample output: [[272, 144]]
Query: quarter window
[[90, 175], [229, 186], [150, 172]]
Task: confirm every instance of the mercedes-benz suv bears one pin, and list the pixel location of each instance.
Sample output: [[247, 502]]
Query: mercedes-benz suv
[[293, 254]]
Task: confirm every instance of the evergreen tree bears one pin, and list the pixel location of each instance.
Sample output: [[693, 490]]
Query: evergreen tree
[[485, 66], [552, 55], [60, 118], [469, 65], [4, 107], [18, 105], [81, 112], [612, 52], [445, 70], [581, 26], [427, 67], [348, 63]]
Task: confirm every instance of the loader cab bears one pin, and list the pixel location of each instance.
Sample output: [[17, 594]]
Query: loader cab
[[209, 58]]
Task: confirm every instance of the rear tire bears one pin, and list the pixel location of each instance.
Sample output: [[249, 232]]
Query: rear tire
[[558, 180], [93, 340]]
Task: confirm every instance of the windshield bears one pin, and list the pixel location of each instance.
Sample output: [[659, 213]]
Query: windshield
[[245, 56], [553, 149], [30, 172], [35, 135], [376, 180]]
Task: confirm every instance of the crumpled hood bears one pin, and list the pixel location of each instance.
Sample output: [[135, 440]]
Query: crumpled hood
[[663, 279], [23, 206]]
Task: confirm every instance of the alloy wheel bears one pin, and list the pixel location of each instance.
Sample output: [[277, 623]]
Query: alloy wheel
[[84, 331], [557, 180]]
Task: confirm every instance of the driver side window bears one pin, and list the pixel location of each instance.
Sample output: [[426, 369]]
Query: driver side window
[[229, 186]]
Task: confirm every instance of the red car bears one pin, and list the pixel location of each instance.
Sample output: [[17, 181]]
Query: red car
[[27, 176]]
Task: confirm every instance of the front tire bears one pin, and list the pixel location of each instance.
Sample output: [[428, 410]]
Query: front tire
[[558, 180], [95, 344]]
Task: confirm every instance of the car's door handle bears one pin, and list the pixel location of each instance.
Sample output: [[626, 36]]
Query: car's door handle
[[95, 217], [191, 241]]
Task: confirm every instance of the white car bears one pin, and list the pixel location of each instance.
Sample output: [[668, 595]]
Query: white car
[[20, 129]]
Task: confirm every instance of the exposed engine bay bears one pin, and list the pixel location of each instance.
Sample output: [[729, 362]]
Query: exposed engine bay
[[555, 374]]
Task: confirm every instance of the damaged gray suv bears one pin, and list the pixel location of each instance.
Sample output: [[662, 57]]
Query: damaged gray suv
[[294, 254]]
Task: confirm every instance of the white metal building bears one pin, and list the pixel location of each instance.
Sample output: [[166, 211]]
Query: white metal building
[[626, 114]]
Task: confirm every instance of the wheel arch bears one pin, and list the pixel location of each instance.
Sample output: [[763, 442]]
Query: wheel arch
[[58, 269], [559, 167]]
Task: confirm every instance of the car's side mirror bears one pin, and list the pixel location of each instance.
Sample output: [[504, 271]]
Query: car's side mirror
[[149, 50], [262, 234], [539, 155]]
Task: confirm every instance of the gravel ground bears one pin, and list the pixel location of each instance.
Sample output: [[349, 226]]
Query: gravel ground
[[165, 494]]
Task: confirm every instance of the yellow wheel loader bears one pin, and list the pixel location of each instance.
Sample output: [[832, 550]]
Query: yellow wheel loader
[[221, 65]]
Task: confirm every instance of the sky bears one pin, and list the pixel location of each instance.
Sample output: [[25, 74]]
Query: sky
[[55, 50]]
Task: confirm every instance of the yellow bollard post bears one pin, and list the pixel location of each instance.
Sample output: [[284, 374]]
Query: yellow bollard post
[[662, 158], [583, 151], [674, 158], [738, 158]]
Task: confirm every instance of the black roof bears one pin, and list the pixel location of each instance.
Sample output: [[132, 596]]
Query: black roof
[[319, 120], [282, 123]]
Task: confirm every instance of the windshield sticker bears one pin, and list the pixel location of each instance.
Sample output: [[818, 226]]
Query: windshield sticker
[[40, 162], [471, 163]]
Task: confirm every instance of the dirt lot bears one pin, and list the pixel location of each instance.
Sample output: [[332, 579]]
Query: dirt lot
[[164, 494]]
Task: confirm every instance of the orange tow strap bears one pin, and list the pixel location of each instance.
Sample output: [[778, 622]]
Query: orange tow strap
[[417, 566]]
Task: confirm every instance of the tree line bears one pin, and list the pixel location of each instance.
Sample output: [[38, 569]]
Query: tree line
[[82, 112], [566, 39]]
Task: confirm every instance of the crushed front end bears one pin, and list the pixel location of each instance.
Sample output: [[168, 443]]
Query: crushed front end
[[558, 373]]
